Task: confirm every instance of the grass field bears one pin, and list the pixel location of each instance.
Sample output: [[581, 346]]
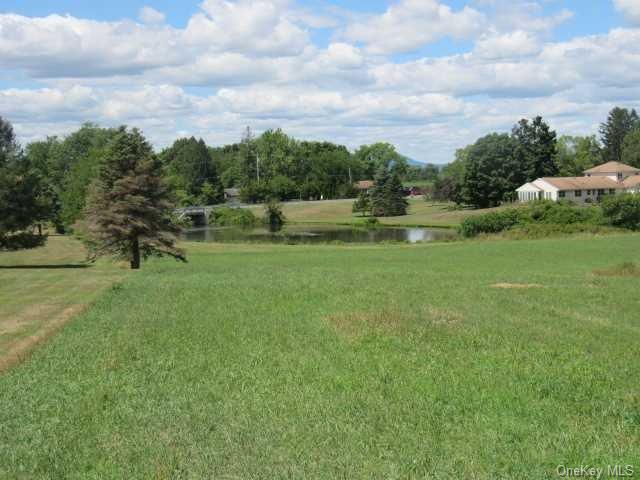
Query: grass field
[[42, 289], [421, 213], [494, 359]]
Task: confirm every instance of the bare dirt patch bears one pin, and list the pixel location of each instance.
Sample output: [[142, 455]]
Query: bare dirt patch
[[359, 323], [19, 349], [391, 320], [626, 269], [517, 285]]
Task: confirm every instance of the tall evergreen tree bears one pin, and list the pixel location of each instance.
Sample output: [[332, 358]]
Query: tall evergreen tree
[[387, 197], [396, 204], [620, 122], [535, 150], [378, 193], [128, 215], [362, 204]]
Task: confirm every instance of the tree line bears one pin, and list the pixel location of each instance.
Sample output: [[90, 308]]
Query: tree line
[[110, 186], [273, 165], [487, 172]]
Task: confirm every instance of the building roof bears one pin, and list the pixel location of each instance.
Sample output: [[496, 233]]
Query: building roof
[[365, 184], [582, 183], [529, 185], [612, 167], [632, 181], [232, 192]]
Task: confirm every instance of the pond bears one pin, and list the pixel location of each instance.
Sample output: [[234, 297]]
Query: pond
[[318, 234]]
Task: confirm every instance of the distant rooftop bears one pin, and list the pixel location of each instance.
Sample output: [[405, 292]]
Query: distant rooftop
[[612, 167], [365, 184], [582, 183]]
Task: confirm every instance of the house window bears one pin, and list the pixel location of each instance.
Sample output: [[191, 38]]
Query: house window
[[561, 194], [619, 175], [601, 191], [578, 193], [612, 191], [588, 192]]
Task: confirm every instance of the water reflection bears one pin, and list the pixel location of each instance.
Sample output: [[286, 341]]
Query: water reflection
[[318, 234]]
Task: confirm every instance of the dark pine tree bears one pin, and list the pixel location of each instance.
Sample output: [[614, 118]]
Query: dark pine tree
[[128, 214], [535, 150], [362, 204], [396, 204], [387, 197], [620, 122], [378, 193]]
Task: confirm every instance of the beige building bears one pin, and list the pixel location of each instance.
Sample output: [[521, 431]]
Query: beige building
[[607, 179]]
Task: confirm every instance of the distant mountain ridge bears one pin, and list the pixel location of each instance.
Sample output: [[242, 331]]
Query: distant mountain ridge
[[414, 163]]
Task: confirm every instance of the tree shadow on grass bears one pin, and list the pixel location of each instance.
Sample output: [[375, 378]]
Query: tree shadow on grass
[[42, 267]]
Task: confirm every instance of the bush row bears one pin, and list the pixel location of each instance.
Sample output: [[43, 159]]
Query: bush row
[[545, 217], [232, 217]]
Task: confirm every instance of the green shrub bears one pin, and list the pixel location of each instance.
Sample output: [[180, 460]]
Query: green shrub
[[232, 217], [561, 213], [21, 240], [372, 222], [622, 211], [544, 230], [493, 222], [273, 216], [530, 220]]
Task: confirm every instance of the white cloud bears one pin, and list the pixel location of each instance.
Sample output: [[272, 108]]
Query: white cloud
[[630, 9], [65, 46], [260, 27], [255, 62], [150, 15], [518, 43], [411, 24]]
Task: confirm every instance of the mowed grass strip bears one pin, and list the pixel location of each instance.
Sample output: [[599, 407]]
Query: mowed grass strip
[[42, 289], [340, 362]]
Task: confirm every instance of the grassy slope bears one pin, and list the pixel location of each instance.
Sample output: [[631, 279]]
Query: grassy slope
[[340, 362], [420, 213], [41, 289]]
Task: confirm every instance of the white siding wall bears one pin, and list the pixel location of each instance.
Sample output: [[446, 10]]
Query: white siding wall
[[550, 192], [586, 194], [528, 193]]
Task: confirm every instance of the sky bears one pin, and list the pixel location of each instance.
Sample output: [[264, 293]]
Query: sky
[[429, 76]]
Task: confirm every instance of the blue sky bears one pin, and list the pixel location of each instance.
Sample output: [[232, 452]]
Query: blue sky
[[429, 76]]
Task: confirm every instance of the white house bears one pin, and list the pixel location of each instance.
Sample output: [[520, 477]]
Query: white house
[[607, 179]]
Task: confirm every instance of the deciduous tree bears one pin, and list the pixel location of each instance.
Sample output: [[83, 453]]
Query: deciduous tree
[[535, 150]]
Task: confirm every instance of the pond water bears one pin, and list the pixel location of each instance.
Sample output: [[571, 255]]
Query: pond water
[[318, 234]]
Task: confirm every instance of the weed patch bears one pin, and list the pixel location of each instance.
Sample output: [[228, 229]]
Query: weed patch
[[626, 269]]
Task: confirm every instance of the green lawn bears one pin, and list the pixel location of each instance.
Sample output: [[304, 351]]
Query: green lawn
[[41, 289], [421, 213], [263, 361]]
